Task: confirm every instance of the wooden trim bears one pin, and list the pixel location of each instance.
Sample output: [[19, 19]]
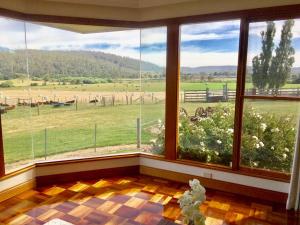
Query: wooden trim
[[253, 15], [91, 159], [68, 19], [239, 189], [275, 98], [2, 161], [240, 89], [259, 173], [11, 192], [86, 175], [276, 175], [17, 172], [172, 91]]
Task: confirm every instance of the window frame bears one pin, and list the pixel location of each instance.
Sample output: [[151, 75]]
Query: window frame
[[173, 74]]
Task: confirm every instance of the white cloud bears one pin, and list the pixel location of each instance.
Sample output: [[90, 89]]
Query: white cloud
[[194, 59], [155, 57]]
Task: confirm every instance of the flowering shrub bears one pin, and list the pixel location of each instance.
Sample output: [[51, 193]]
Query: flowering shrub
[[267, 142], [190, 202]]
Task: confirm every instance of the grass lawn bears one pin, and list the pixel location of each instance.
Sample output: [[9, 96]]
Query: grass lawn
[[133, 85], [66, 129]]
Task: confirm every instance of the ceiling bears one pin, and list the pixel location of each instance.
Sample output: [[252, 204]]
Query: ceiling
[[123, 3], [130, 10]]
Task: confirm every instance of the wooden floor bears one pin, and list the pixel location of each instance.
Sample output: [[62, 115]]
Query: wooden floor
[[131, 201]]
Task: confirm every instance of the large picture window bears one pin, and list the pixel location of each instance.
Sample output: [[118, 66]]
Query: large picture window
[[271, 107], [73, 91], [207, 91]]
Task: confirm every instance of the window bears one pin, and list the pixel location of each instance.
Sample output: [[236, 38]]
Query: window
[[153, 83], [208, 82], [269, 124], [78, 92], [14, 76]]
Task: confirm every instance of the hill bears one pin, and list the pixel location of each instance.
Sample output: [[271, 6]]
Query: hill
[[58, 64], [72, 63]]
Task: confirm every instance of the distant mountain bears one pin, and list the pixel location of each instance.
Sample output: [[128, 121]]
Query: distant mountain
[[55, 64], [72, 63], [4, 49], [208, 69], [220, 69]]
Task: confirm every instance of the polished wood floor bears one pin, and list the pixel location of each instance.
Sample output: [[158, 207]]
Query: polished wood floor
[[131, 201]]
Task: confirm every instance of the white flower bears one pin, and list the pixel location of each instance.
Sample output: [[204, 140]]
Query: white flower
[[263, 126], [217, 153], [261, 144], [275, 130], [257, 146], [255, 163], [219, 142], [194, 183], [254, 137], [202, 143], [153, 141], [230, 131], [286, 149], [208, 158], [284, 156], [272, 148], [190, 202]]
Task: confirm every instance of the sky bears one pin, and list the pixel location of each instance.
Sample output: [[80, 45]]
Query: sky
[[206, 44]]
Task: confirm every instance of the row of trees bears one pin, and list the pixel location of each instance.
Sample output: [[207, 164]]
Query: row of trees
[[57, 64], [270, 71]]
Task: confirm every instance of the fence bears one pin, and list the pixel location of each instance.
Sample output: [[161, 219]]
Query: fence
[[225, 94], [92, 139]]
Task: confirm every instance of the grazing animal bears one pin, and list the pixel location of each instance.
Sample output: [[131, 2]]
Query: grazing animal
[[94, 101], [3, 110], [11, 107], [33, 105], [70, 102]]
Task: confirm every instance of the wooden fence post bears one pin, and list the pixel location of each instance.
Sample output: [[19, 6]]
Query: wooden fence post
[[45, 153], [207, 94], [138, 133], [225, 92]]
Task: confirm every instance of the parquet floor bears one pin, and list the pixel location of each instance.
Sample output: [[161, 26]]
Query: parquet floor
[[131, 201]]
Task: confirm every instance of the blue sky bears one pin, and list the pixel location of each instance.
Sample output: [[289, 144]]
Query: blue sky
[[207, 44]]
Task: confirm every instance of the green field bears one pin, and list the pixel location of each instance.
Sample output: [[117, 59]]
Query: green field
[[67, 129], [29, 133], [131, 85]]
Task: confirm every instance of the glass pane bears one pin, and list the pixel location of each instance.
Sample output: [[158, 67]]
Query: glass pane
[[153, 56], [84, 86], [208, 81], [269, 134], [274, 58], [14, 79]]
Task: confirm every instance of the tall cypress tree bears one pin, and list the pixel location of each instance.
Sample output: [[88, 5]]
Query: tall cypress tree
[[283, 60], [261, 63]]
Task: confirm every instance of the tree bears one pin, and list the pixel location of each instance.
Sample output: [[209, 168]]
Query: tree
[[261, 63], [283, 60]]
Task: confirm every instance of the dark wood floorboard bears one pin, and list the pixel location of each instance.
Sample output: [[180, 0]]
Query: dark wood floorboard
[[134, 200]]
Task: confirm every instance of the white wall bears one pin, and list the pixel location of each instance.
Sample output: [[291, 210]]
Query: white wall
[[86, 166], [17, 180], [217, 175]]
